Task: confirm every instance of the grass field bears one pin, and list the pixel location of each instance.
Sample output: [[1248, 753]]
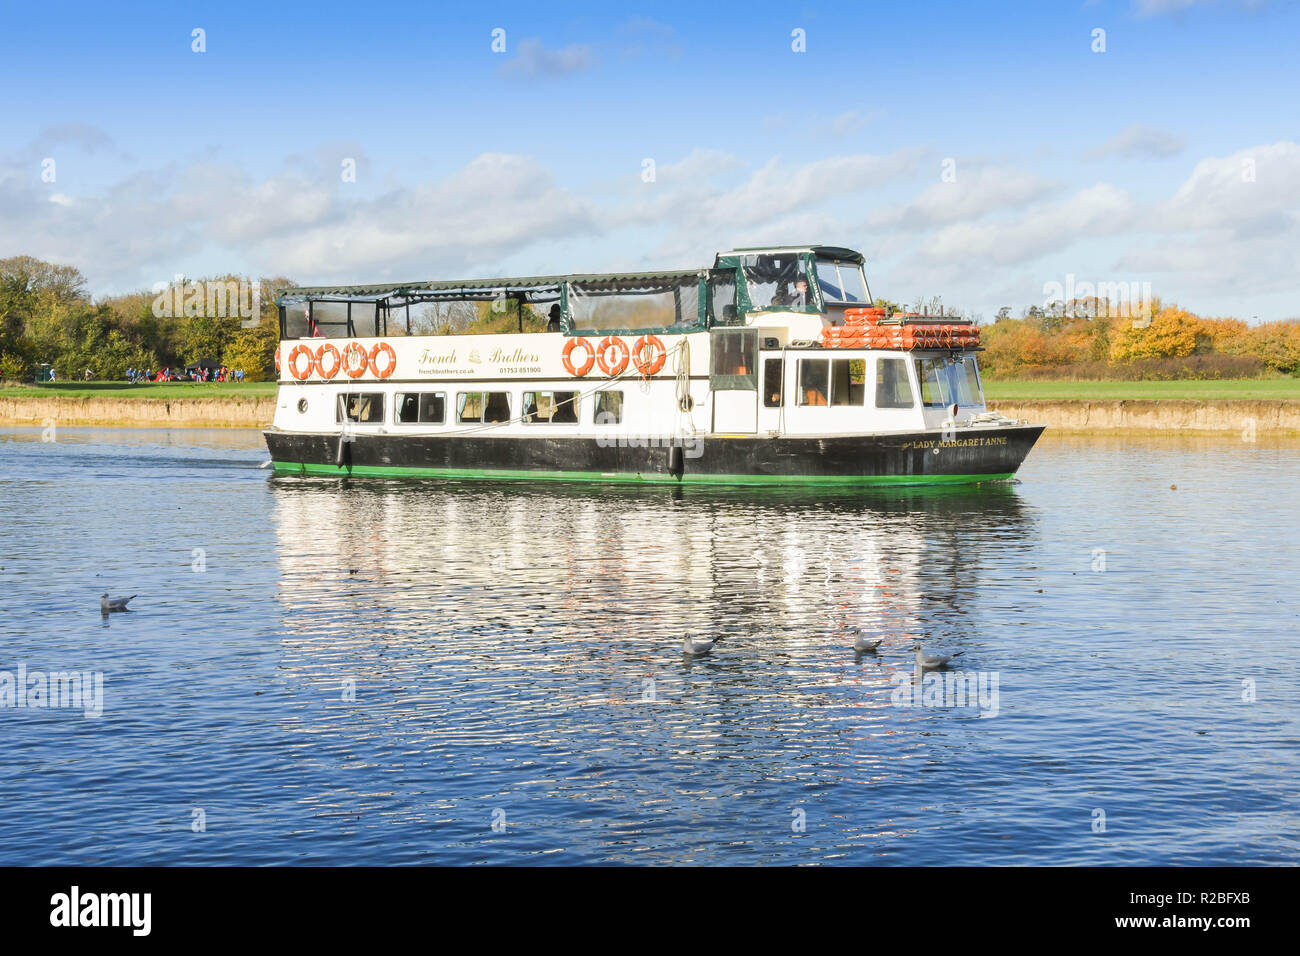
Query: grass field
[[1262, 389], [121, 390]]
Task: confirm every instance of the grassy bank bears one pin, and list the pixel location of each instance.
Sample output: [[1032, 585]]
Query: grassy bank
[[170, 391], [1248, 389]]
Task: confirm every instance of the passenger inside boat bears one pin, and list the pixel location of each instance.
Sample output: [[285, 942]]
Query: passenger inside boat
[[553, 323]]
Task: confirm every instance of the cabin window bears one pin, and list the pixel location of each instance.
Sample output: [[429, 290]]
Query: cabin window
[[366, 408], [329, 320], [421, 408], [949, 381], [778, 281], [659, 303], [472, 407], [735, 359], [560, 408], [722, 298], [849, 382], [814, 375], [893, 390], [773, 381], [609, 408], [297, 322], [842, 282]]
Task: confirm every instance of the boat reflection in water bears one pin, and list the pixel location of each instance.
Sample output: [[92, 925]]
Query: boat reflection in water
[[508, 640]]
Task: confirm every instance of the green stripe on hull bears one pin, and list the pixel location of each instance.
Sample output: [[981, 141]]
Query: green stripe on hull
[[301, 469]]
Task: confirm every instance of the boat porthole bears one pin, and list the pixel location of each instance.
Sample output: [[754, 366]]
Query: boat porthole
[[302, 406], [935, 450]]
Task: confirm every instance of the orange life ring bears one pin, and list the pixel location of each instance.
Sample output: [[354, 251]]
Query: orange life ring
[[355, 369], [392, 360], [321, 352], [277, 358], [301, 349], [649, 366], [569, 346], [608, 342]]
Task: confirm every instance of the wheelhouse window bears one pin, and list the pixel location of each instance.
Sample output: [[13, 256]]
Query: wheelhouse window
[[421, 408], [773, 382], [472, 407], [949, 380], [842, 282], [554, 407], [849, 382], [735, 359], [778, 281], [893, 390], [814, 381], [366, 408], [609, 408], [722, 298]]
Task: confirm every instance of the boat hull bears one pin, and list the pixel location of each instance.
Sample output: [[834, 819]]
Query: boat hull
[[921, 458]]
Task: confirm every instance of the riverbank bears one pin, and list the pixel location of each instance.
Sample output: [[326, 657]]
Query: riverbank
[[253, 406]]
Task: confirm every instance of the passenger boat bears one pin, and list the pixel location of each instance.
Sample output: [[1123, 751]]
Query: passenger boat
[[771, 367]]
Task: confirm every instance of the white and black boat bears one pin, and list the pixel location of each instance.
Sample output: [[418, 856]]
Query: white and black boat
[[771, 367]]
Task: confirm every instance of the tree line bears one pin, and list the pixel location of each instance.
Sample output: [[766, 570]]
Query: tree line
[[47, 317]]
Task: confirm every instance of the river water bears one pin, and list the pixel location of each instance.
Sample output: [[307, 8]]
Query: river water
[[324, 673]]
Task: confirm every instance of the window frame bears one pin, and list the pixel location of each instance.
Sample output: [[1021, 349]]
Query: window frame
[[534, 418], [397, 407], [341, 418], [596, 410], [800, 380]]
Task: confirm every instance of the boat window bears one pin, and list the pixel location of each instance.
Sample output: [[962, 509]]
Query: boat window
[[849, 382], [813, 381], [364, 407], [722, 298], [482, 407], [329, 320], [632, 304], [423, 408], [773, 377], [841, 281], [778, 281], [968, 380], [735, 359], [948, 381], [556, 407], [609, 408], [297, 324], [892, 387]]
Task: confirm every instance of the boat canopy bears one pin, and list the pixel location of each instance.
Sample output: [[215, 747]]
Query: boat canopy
[[794, 279]]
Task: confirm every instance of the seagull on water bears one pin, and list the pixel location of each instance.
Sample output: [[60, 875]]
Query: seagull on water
[[108, 605], [933, 662], [865, 645], [693, 647]]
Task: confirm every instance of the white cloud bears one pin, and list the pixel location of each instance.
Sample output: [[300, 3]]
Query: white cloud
[[1140, 141], [534, 60], [972, 196]]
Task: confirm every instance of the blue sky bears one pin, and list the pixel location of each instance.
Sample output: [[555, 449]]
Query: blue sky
[[1169, 158]]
